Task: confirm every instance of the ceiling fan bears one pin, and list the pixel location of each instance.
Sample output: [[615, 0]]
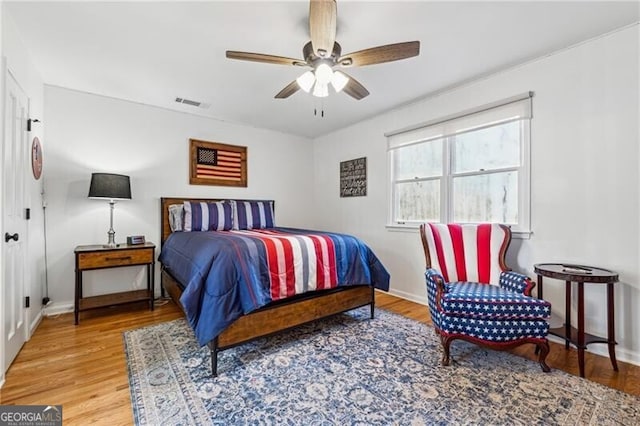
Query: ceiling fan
[[323, 54]]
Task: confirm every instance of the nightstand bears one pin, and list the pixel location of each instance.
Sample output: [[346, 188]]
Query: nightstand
[[101, 257]]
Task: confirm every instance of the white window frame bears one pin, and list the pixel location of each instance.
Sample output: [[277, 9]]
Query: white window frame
[[425, 132]]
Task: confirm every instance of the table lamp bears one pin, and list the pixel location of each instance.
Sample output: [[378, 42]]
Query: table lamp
[[112, 187]]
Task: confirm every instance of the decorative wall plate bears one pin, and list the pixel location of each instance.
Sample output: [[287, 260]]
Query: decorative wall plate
[[36, 158]]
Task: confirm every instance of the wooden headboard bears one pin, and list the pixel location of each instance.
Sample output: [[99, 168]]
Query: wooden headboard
[[165, 202]]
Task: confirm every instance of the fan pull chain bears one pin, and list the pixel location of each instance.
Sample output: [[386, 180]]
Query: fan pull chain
[[315, 109]]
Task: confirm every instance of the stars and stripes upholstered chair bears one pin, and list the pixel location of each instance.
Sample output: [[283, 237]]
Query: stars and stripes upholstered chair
[[472, 294]]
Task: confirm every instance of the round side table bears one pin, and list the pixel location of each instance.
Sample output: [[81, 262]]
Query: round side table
[[581, 274]]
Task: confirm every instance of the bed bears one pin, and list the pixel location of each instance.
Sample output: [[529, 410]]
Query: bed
[[227, 291]]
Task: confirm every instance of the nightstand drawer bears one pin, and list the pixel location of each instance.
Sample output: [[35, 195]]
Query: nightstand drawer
[[114, 258]]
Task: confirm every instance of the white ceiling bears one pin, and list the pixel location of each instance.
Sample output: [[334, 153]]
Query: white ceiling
[[153, 52]]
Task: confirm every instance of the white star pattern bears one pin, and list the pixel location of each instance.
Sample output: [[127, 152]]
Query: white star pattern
[[488, 312]]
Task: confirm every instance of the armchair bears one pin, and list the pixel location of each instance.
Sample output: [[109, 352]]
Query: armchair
[[473, 296]]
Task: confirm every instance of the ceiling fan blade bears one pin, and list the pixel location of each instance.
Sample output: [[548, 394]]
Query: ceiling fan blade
[[381, 54], [288, 91], [354, 89], [322, 26], [267, 59]]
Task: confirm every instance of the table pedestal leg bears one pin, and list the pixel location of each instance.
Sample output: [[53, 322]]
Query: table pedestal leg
[[540, 287], [150, 284], [537, 350], [611, 340], [76, 306], [567, 314], [581, 328]]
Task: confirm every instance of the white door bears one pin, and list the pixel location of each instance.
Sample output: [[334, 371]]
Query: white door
[[14, 234]]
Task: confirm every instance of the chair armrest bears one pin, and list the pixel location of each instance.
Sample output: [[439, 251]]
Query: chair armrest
[[516, 282], [435, 286]]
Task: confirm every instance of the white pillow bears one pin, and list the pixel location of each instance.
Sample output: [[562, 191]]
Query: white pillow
[[176, 213]]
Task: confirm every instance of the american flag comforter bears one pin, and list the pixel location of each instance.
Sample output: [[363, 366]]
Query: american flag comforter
[[230, 273]]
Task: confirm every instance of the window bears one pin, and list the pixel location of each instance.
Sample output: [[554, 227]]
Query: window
[[473, 167]]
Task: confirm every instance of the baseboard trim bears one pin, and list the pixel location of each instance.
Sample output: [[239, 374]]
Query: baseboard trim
[[58, 308], [408, 296], [34, 324], [622, 354]]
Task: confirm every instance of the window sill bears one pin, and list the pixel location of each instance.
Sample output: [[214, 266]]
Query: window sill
[[402, 228], [519, 235]]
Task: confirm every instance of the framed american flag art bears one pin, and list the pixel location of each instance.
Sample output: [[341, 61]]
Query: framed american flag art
[[215, 163]]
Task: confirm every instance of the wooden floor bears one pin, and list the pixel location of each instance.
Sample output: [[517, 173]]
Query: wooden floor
[[83, 367]]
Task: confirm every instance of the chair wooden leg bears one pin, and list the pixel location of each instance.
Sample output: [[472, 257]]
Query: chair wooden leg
[[544, 351], [446, 345]]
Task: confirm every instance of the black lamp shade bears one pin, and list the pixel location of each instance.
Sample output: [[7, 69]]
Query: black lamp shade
[[109, 185]]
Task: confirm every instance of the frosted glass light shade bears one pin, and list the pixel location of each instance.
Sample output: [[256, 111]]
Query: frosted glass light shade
[[320, 90], [324, 73], [306, 80], [339, 80]]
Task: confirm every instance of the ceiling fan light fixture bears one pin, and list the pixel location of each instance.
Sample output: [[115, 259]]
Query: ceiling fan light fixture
[[339, 80], [306, 80], [324, 74], [322, 53], [320, 90]]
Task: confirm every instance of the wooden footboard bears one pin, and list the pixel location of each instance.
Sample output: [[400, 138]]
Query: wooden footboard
[[273, 319], [282, 315]]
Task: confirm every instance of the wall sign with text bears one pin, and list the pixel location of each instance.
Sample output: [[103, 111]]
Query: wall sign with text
[[353, 178]]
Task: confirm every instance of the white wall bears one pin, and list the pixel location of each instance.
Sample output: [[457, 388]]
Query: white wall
[[22, 67], [2, 58], [584, 191], [88, 133]]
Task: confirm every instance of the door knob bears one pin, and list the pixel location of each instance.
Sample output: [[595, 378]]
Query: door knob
[[8, 236]]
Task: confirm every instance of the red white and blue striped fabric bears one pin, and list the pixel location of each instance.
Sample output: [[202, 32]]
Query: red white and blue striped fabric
[[467, 252], [297, 263]]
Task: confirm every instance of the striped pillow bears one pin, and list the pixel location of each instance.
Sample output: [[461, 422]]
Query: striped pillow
[[253, 215], [200, 216]]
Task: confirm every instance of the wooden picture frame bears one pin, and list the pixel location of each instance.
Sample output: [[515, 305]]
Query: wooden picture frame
[[219, 164]]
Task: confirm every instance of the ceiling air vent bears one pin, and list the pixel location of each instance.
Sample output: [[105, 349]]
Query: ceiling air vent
[[192, 103]]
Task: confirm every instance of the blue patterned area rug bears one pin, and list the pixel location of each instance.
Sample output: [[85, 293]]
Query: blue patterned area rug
[[350, 370]]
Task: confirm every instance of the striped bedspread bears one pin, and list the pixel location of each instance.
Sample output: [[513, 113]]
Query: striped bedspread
[[295, 263], [230, 273]]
